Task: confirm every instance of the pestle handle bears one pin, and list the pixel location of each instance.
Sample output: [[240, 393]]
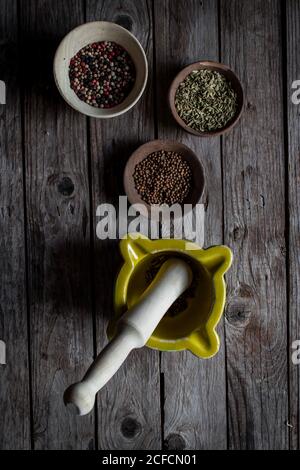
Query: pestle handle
[[81, 396], [134, 329]]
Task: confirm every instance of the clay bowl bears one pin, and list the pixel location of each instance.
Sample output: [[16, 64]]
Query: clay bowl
[[167, 145], [96, 32], [224, 70]]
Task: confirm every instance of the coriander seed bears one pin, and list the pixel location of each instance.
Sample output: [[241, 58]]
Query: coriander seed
[[163, 177]]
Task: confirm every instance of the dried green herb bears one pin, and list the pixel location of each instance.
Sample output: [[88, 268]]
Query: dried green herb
[[205, 100]]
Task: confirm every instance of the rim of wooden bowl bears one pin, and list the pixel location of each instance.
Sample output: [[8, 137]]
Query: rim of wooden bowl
[[63, 82], [218, 67], [198, 177]]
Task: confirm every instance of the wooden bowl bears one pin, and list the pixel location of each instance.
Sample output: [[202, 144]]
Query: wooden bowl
[[167, 145], [224, 70], [95, 32]]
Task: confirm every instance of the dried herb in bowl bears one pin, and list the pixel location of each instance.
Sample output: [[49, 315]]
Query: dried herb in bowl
[[206, 101]]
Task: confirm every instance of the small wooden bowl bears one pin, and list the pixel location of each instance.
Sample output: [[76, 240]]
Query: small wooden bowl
[[224, 70], [96, 32], [167, 145]]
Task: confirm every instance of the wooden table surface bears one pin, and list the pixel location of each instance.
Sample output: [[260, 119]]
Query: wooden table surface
[[57, 278]]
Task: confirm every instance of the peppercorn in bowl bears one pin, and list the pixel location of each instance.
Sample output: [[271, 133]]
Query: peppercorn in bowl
[[206, 99], [100, 69]]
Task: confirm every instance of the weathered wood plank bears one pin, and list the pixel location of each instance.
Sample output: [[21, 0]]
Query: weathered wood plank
[[58, 230], [195, 391], [14, 376], [293, 74], [254, 218], [129, 406]]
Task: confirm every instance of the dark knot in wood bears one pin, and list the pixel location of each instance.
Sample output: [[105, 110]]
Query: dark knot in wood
[[130, 428], [251, 106], [65, 186], [175, 442], [125, 21], [241, 306]]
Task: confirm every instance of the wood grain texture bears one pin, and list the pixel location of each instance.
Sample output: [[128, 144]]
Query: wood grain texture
[[194, 390], [72, 165], [58, 230], [254, 217], [129, 406], [293, 73], [14, 376]]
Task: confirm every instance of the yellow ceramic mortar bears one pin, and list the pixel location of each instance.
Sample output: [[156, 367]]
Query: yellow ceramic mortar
[[193, 329]]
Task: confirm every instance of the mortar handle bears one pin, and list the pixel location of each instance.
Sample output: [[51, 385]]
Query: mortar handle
[[134, 329]]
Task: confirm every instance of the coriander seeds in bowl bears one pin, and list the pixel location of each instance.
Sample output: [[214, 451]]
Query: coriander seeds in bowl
[[161, 174], [163, 177]]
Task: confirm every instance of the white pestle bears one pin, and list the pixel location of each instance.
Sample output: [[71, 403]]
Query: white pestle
[[133, 331]]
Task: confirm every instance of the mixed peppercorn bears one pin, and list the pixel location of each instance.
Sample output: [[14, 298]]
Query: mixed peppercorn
[[102, 74], [163, 178]]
